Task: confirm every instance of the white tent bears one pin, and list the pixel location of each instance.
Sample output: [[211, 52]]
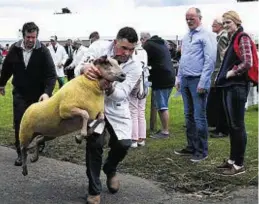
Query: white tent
[[164, 21]]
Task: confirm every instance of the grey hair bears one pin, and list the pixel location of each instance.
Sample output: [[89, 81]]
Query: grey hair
[[198, 11], [145, 35], [219, 20]]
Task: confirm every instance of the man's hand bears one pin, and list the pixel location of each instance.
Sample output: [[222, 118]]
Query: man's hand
[[230, 73], [90, 71], [60, 65], [69, 67], [2, 90], [177, 86], [44, 97], [201, 90]]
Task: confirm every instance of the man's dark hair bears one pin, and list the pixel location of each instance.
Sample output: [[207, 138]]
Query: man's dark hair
[[95, 35], [128, 33], [30, 27]]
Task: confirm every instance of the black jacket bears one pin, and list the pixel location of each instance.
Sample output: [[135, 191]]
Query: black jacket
[[37, 78], [162, 74]]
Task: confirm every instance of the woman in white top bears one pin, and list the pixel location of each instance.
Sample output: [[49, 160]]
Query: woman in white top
[[137, 102]]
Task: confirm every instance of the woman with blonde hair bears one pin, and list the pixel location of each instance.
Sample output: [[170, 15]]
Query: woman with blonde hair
[[233, 78]]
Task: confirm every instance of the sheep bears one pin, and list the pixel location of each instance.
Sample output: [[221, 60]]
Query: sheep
[[78, 102]]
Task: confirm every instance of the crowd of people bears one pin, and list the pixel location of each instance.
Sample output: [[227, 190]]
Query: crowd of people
[[212, 78]]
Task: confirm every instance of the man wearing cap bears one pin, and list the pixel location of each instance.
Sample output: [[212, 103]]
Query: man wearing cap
[[80, 51], [59, 57]]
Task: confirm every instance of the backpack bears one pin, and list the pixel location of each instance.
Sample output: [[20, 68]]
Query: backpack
[[253, 71], [144, 84]]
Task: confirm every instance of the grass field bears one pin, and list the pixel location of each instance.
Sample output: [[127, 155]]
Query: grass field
[[156, 161]]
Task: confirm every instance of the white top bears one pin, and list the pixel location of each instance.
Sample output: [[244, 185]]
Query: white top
[[78, 55], [59, 57]]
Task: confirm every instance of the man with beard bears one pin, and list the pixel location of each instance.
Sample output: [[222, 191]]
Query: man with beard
[[34, 76], [117, 113]]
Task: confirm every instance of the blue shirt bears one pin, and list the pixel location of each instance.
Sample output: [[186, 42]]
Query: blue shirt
[[198, 56]]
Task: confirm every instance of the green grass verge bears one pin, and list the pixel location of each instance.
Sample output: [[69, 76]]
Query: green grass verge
[[156, 161]]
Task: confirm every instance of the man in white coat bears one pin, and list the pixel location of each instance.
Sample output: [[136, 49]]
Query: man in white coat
[[59, 57], [79, 53], [117, 113]]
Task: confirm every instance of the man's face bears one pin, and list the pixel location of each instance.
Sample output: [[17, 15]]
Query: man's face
[[193, 20], [30, 39], [69, 43], [216, 27], [123, 50], [53, 42]]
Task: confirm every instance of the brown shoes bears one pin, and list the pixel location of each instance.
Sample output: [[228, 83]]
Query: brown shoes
[[93, 199], [113, 184]]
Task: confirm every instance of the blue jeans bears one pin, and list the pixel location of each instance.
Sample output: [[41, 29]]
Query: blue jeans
[[161, 98], [195, 116], [234, 100]]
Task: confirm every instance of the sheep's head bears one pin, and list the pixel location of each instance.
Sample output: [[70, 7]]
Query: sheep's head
[[109, 69]]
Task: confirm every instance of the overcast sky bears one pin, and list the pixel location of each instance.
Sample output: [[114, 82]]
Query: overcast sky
[[78, 5]]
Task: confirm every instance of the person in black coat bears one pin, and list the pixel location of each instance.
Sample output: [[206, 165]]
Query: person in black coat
[[162, 76], [69, 50], [34, 76]]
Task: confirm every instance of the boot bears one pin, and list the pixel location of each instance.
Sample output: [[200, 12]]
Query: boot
[[113, 184], [93, 199], [18, 161]]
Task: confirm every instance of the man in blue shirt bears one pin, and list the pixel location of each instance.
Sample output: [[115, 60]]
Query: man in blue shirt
[[199, 49]]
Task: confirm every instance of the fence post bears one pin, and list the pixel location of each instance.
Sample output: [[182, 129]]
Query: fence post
[[153, 113]]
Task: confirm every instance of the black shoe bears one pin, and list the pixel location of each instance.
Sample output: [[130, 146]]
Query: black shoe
[[225, 165], [218, 135], [18, 161], [184, 152]]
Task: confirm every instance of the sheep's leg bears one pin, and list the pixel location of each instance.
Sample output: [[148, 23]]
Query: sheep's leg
[[99, 119], [38, 140], [85, 116], [24, 160]]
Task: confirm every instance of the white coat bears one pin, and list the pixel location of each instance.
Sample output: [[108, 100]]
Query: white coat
[[60, 56], [78, 55], [116, 107]]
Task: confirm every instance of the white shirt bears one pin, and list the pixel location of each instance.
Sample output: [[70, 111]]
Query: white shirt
[[116, 107], [26, 54], [59, 57], [78, 55]]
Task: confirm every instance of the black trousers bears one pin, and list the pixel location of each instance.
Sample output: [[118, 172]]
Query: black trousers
[[20, 104], [215, 111], [234, 100], [94, 151], [70, 73]]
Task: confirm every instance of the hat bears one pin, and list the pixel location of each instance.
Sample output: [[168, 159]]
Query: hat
[[78, 41], [232, 15], [54, 38]]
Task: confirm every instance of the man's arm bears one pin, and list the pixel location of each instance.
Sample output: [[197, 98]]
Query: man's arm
[[210, 53], [7, 70], [50, 73], [64, 56]]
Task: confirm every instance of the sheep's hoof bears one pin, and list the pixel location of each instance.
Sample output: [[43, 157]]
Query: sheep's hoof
[[34, 158], [25, 170], [78, 139]]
